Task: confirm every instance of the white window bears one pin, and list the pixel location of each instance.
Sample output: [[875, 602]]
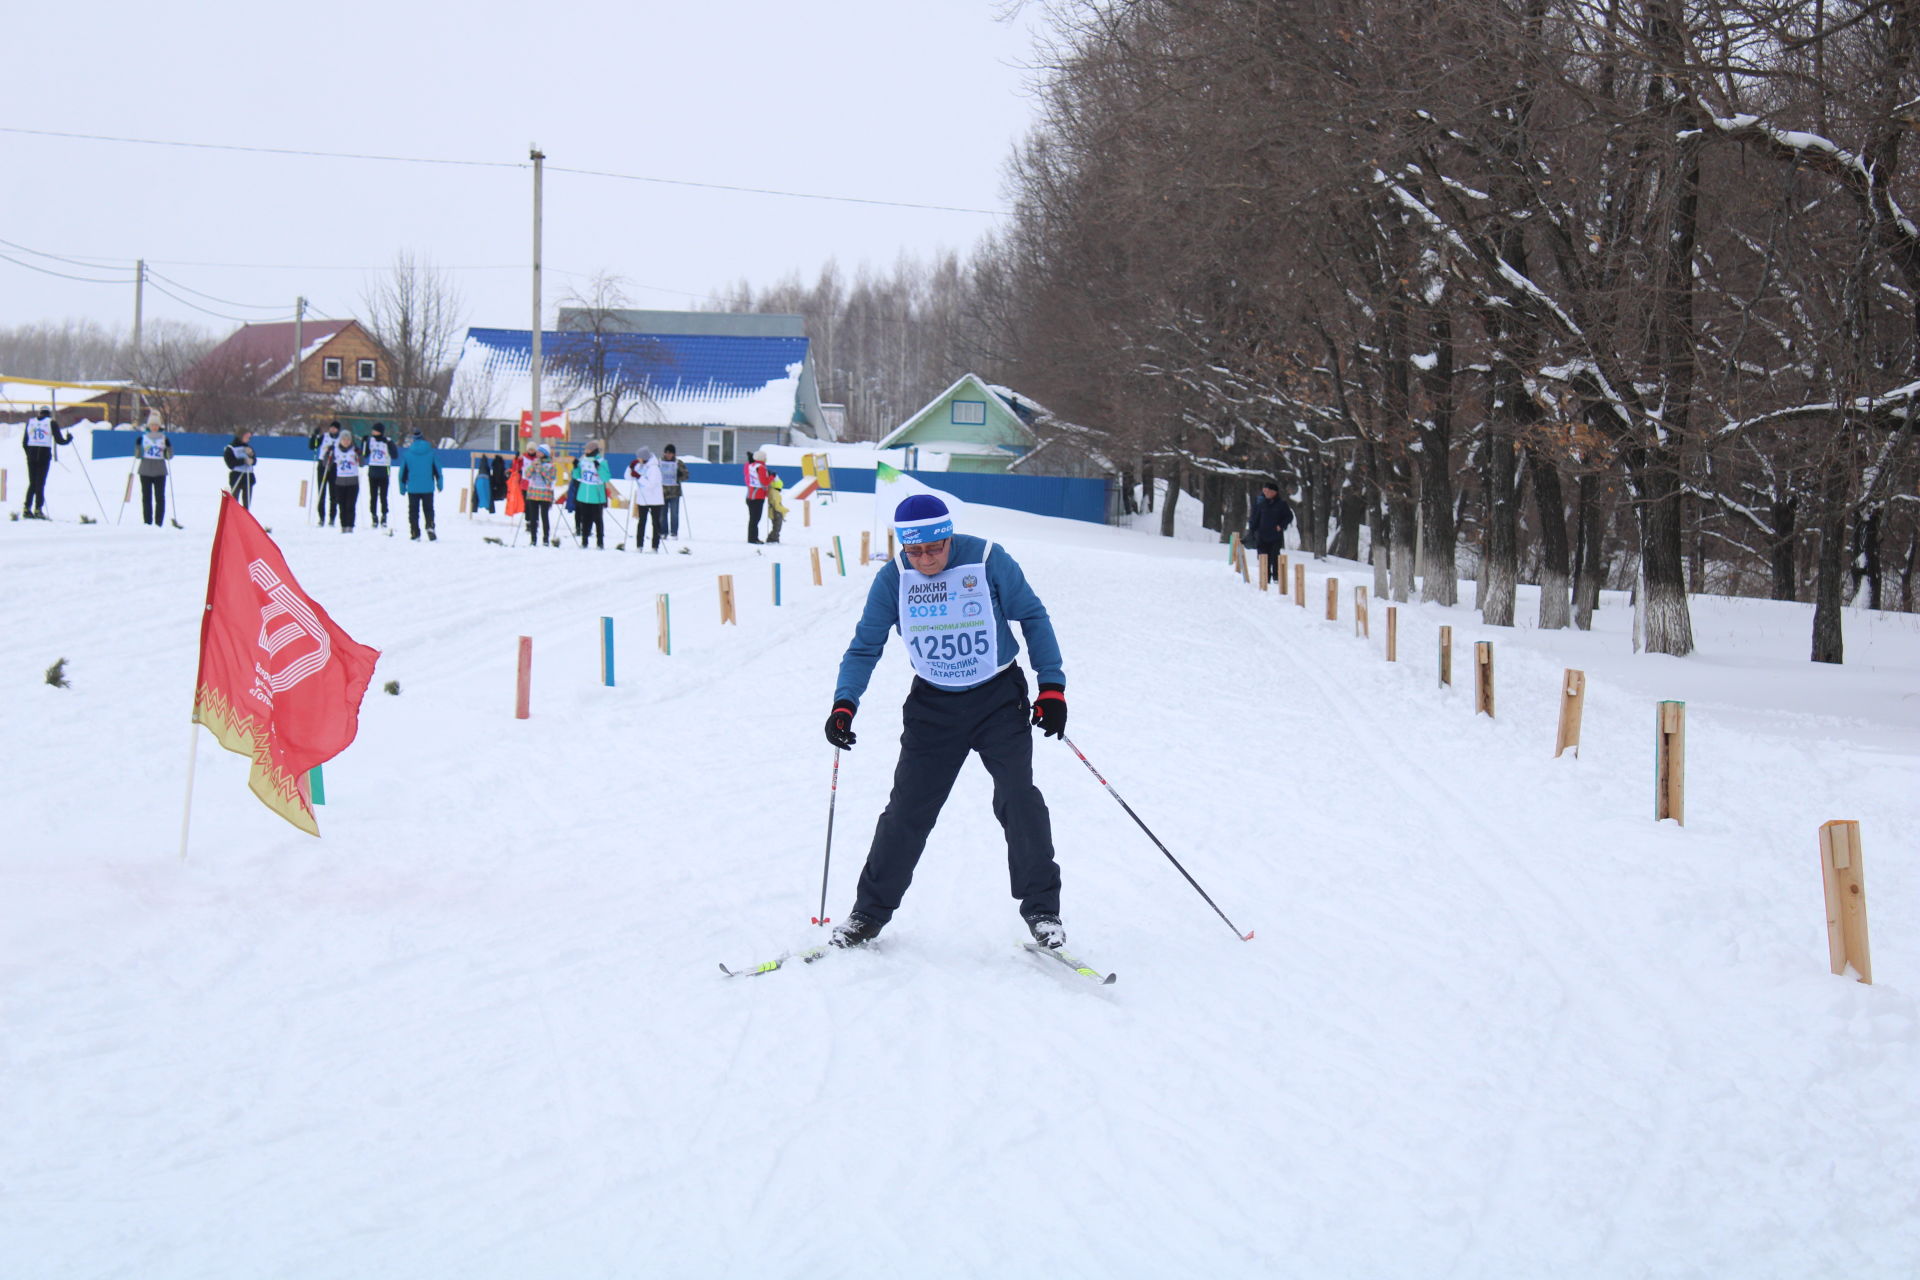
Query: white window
[[503, 437], [330, 369], [720, 444], [365, 373], [969, 413]]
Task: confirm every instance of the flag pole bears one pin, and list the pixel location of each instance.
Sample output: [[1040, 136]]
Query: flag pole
[[193, 758]]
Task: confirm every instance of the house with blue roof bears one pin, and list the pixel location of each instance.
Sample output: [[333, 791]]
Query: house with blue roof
[[715, 386]]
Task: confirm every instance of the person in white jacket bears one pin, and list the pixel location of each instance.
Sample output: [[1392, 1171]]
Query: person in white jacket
[[649, 498]]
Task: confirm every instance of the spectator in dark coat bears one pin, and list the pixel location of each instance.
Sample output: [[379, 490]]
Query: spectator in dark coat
[[1267, 526]]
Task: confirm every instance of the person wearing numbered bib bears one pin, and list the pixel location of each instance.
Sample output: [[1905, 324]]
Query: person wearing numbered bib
[[155, 452], [952, 598], [39, 439], [346, 479], [240, 463], [590, 496], [380, 457]]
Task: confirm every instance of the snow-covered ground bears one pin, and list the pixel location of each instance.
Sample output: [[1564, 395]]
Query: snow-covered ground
[[1496, 1021]]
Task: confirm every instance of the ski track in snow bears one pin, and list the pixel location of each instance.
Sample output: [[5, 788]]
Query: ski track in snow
[[1495, 1022]]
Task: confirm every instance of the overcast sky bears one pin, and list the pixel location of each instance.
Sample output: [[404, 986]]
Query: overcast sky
[[917, 101]]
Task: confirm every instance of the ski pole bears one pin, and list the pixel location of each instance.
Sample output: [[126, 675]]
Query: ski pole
[[833, 798], [82, 455], [1244, 937]]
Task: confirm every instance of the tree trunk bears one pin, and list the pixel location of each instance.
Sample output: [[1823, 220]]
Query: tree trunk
[[1785, 577], [1501, 547], [1127, 504], [1378, 542], [1173, 497], [1830, 575], [1353, 513], [1866, 557], [1667, 623], [1590, 557], [1146, 484], [1236, 512], [1439, 536], [1401, 524], [1551, 505], [1212, 493], [1906, 571]]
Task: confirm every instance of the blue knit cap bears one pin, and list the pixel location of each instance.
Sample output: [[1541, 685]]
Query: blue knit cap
[[922, 518]]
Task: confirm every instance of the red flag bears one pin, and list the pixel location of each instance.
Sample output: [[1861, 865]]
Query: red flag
[[553, 424], [279, 680]]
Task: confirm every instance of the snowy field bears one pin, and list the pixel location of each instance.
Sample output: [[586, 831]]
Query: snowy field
[[1496, 1021]]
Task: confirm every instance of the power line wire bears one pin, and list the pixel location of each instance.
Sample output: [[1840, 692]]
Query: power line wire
[[502, 164], [93, 263], [48, 271], [250, 306], [159, 288]]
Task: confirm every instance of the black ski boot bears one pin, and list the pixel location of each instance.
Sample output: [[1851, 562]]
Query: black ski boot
[[856, 930], [1047, 930]]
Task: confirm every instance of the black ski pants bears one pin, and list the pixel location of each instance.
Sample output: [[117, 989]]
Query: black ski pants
[[538, 510], [640, 517], [416, 504], [588, 522], [753, 518], [377, 494], [941, 729], [153, 499], [346, 497], [39, 461], [240, 485]]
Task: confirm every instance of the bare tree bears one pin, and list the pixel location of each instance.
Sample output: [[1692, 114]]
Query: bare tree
[[414, 313]]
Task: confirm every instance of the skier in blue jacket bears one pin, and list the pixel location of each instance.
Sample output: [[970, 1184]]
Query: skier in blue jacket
[[952, 597], [420, 475]]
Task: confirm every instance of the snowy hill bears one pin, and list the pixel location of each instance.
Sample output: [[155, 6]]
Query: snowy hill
[[1496, 1021]]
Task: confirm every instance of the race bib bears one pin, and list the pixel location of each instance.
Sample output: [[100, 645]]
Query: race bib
[[153, 450], [39, 434], [346, 465], [377, 455], [948, 623]]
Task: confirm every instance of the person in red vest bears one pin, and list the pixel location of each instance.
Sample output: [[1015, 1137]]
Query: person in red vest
[[758, 480]]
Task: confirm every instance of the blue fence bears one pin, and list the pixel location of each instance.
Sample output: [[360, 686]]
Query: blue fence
[[1074, 499]]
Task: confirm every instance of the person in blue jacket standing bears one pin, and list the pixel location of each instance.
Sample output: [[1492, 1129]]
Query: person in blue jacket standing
[[420, 476], [952, 597]]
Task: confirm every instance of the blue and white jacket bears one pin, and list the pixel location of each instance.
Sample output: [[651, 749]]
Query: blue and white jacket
[[1013, 601]]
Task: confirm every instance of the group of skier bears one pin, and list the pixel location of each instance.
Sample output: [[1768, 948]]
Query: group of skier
[[340, 458]]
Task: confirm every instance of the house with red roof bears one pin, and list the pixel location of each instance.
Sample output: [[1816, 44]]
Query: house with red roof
[[312, 358]]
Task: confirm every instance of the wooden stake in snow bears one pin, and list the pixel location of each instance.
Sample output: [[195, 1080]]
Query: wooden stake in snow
[[1446, 656], [1573, 700], [665, 615], [1393, 633], [814, 554], [1360, 626], [606, 652], [463, 502], [303, 494], [523, 686], [127, 497], [1843, 878], [1333, 599], [727, 614], [776, 584], [1483, 677], [1266, 569], [3, 484], [317, 787], [1283, 578], [1300, 585], [891, 550], [1670, 762], [806, 513], [839, 555]]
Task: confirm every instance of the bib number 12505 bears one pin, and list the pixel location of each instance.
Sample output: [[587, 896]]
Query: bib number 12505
[[949, 646]]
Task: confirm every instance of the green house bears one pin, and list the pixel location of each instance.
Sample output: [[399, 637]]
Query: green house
[[980, 428]]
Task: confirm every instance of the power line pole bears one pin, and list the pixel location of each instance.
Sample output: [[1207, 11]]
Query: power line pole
[[139, 302], [539, 158], [299, 325]]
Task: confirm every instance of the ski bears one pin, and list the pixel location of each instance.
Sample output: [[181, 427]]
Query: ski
[[805, 957], [1073, 963]]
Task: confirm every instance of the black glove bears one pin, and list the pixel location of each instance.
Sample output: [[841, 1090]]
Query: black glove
[[1050, 710], [840, 725]]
